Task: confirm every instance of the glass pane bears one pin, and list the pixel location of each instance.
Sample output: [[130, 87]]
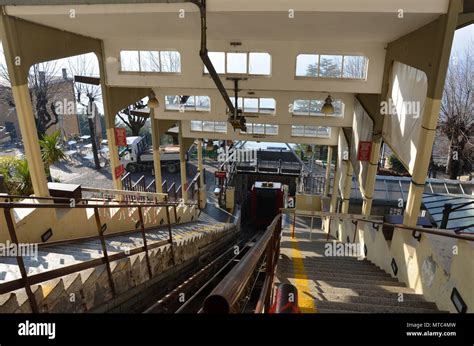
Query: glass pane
[[338, 107], [311, 131], [129, 60], [149, 61], [271, 129], [170, 61], [239, 102], [189, 102], [172, 102], [259, 129], [267, 106], [218, 61], [330, 66], [196, 125], [249, 129], [250, 105], [208, 126], [354, 67], [301, 107], [259, 63], [297, 130], [203, 103], [307, 65], [324, 131], [221, 126], [315, 107], [236, 62]]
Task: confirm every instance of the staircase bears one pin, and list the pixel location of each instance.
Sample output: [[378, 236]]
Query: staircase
[[90, 287], [342, 284]]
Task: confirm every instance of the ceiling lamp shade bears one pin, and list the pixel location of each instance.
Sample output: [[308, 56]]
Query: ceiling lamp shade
[[152, 100], [309, 150], [327, 108]]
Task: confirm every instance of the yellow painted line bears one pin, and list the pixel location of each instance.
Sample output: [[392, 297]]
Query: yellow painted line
[[305, 302]]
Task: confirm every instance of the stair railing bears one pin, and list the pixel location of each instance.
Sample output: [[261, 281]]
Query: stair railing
[[27, 281]]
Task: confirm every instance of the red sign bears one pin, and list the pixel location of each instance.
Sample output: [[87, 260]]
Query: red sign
[[220, 174], [119, 170], [363, 153], [120, 137]]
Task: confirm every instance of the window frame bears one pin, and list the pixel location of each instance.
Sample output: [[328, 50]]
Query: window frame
[[264, 129], [304, 135], [160, 72], [309, 114], [182, 108], [342, 78], [247, 73], [214, 123]]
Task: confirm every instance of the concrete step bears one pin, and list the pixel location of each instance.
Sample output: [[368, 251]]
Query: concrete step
[[354, 280], [336, 270], [369, 308], [374, 300], [382, 292], [363, 287], [328, 275]]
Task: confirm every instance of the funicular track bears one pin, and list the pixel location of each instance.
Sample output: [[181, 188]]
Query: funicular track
[[189, 296]]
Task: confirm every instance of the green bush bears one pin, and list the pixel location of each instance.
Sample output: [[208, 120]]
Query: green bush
[[396, 165], [16, 175]]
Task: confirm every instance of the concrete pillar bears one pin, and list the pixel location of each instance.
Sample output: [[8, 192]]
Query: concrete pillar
[[335, 189], [422, 162], [18, 73], [328, 171], [347, 189], [110, 131], [182, 159], [27, 123], [371, 178], [155, 138], [200, 163]]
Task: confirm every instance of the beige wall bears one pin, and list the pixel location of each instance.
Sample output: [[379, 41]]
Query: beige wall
[[30, 224]]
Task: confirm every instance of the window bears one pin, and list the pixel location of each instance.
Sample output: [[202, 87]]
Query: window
[[183, 103], [150, 61], [310, 131], [262, 105], [208, 126], [253, 63], [261, 129], [313, 108], [331, 66]]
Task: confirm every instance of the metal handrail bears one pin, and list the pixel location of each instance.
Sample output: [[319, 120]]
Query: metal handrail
[[362, 218], [27, 281], [226, 296]]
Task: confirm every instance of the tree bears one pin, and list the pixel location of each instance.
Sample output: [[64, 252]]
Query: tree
[[133, 121], [87, 95], [51, 151], [456, 119], [43, 83]]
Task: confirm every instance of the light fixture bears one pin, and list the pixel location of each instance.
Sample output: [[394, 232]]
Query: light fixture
[[327, 108], [309, 150], [152, 100]]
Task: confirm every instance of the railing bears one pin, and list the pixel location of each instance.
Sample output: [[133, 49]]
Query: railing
[[193, 188], [356, 218], [127, 181], [27, 281], [124, 195], [228, 295], [312, 184]]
